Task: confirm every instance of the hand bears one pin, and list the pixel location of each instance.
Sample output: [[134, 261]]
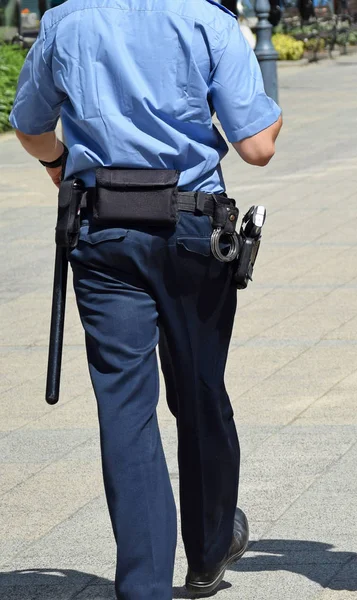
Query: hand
[[55, 175]]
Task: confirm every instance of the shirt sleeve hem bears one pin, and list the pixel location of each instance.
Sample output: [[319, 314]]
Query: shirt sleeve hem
[[29, 129], [237, 135]]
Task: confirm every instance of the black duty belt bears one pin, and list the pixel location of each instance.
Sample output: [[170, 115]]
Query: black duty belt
[[193, 202], [200, 202], [219, 207]]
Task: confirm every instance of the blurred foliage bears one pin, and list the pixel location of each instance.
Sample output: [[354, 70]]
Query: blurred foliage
[[315, 44], [11, 61], [352, 38], [287, 47], [319, 34]]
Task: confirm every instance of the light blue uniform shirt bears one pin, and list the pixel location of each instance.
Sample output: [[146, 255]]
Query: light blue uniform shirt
[[134, 82]]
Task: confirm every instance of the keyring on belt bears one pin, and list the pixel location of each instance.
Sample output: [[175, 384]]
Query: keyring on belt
[[233, 251]]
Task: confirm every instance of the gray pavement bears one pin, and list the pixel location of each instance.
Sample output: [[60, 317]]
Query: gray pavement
[[292, 375]]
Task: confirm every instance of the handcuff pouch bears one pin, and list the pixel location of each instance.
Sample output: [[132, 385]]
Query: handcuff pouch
[[225, 216]]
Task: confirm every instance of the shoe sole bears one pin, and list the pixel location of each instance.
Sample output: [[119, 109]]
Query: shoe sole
[[207, 588]]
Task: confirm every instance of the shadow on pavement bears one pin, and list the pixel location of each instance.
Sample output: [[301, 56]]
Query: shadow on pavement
[[65, 584], [54, 584], [314, 560]]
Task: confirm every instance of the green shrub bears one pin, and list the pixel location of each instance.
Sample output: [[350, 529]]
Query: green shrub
[[287, 47], [315, 44], [352, 38], [11, 61], [304, 31], [279, 28], [342, 39]]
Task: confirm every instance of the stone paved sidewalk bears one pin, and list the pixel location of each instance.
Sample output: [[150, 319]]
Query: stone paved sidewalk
[[292, 375]]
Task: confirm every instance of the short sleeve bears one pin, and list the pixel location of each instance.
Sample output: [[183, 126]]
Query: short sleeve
[[37, 103], [237, 91]]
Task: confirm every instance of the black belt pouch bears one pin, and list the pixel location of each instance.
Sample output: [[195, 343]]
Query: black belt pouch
[[136, 195]]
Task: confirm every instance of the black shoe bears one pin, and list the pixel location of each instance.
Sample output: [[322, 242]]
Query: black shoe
[[208, 582]]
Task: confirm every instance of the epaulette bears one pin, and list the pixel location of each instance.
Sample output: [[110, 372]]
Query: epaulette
[[222, 8]]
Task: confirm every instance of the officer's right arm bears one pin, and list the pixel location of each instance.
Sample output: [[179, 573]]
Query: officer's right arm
[[251, 120]]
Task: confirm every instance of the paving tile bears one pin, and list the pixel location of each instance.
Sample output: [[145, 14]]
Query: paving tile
[[336, 406], [340, 476], [320, 516], [85, 539], [312, 373], [12, 474], [41, 446], [78, 413], [25, 402], [49, 497]]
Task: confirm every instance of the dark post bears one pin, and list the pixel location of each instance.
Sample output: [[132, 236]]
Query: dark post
[[265, 51]]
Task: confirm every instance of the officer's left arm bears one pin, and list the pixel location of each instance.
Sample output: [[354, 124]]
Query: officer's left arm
[[251, 120], [37, 105]]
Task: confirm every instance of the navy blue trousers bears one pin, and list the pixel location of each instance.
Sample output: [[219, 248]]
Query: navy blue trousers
[[134, 287]]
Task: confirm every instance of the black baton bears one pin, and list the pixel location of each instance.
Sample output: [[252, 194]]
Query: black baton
[[67, 230], [57, 326]]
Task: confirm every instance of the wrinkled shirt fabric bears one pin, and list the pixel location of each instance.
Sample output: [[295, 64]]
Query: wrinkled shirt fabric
[[136, 83]]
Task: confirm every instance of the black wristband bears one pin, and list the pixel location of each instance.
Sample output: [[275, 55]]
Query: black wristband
[[55, 163]]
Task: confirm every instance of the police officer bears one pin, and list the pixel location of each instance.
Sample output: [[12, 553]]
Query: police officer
[[135, 83]]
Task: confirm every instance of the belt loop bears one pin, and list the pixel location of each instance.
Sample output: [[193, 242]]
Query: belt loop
[[201, 199]]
